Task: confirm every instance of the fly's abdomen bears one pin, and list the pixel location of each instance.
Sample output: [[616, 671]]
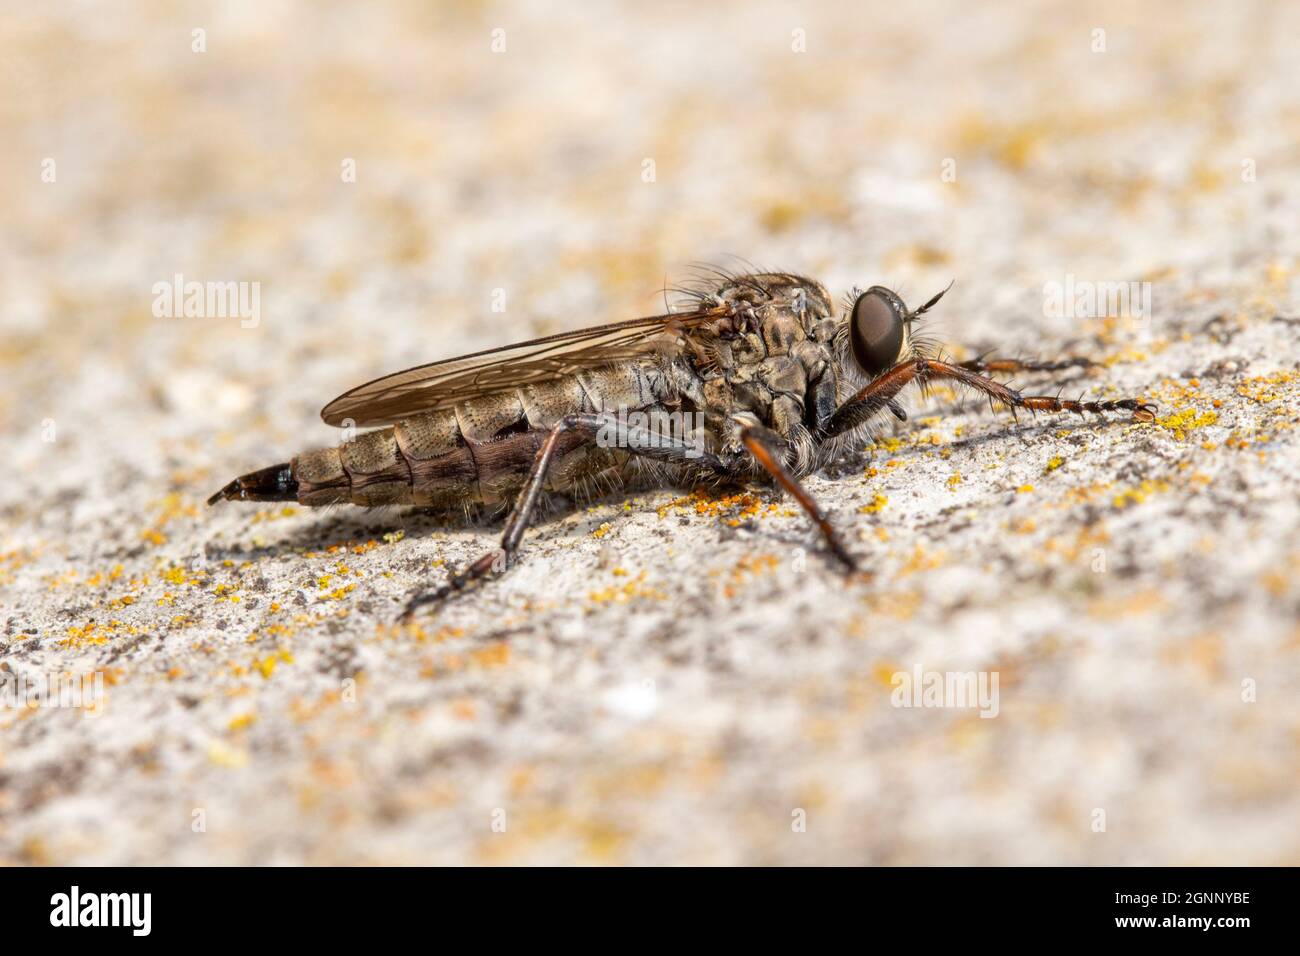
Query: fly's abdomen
[[442, 468], [366, 471], [480, 451]]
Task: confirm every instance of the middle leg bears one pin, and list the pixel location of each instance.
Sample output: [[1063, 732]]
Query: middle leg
[[766, 446]]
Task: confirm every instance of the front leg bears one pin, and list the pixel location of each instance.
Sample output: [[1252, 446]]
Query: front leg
[[868, 402], [984, 365]]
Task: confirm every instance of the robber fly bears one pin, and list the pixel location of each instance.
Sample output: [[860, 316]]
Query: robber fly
[[780, 385]]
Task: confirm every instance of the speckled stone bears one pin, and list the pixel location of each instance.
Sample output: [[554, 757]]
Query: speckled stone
[[663, 678]]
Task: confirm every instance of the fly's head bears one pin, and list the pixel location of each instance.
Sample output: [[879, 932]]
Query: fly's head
[[878, 331]]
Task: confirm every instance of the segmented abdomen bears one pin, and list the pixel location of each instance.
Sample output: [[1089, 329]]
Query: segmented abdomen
[[480, 451]]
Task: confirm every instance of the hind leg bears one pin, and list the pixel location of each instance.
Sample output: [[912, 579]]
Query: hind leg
[[638, 440]]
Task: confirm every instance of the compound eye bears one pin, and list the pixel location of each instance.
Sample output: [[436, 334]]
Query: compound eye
[[876, 330]]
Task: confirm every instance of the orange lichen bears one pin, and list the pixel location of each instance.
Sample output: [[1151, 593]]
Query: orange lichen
[[731, 509], [635, 588], [242, 721]]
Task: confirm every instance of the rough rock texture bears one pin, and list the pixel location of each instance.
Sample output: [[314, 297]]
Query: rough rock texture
[[666, 678]]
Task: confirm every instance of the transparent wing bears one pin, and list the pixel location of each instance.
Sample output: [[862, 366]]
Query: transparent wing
[[439, 384]]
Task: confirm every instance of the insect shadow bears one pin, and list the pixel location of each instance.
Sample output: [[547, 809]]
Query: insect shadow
[[351, 528]]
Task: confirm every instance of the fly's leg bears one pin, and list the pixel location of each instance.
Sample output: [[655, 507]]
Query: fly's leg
[[641, 441], [877, 394], [985, 365], [767, 447]]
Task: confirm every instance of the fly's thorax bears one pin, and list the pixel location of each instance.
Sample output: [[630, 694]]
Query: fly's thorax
[[779, 290], [774, 367]]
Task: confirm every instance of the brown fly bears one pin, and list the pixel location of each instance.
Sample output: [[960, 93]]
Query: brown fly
[[752, 377]]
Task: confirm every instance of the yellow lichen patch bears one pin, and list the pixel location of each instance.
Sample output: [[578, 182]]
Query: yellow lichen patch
[[241, 721], [922, 560], [1024, 489], [1054, 463], [1124, 356], [92, 634], [1206, 179], [266, 665], [274, 514], [954, 479], [304, 710], [884, 673], [1014, 145], [1269, 388], [600, 839], [876, 505], [901, 605], [1202, 652], [732, 509], [780, 215], [1088, 538], [1139, 494], [747, 568], [226, 592], [175, 574], [68, 577], [98, 578], [171, 507], [602, 530], [1086, 494], [788, 209], [1180, 423], [412, 629], [496, 654], [1111, 608], [618, 594], [915, 254]]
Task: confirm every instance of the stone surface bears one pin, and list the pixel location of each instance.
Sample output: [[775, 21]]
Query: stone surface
[[664, 678]]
